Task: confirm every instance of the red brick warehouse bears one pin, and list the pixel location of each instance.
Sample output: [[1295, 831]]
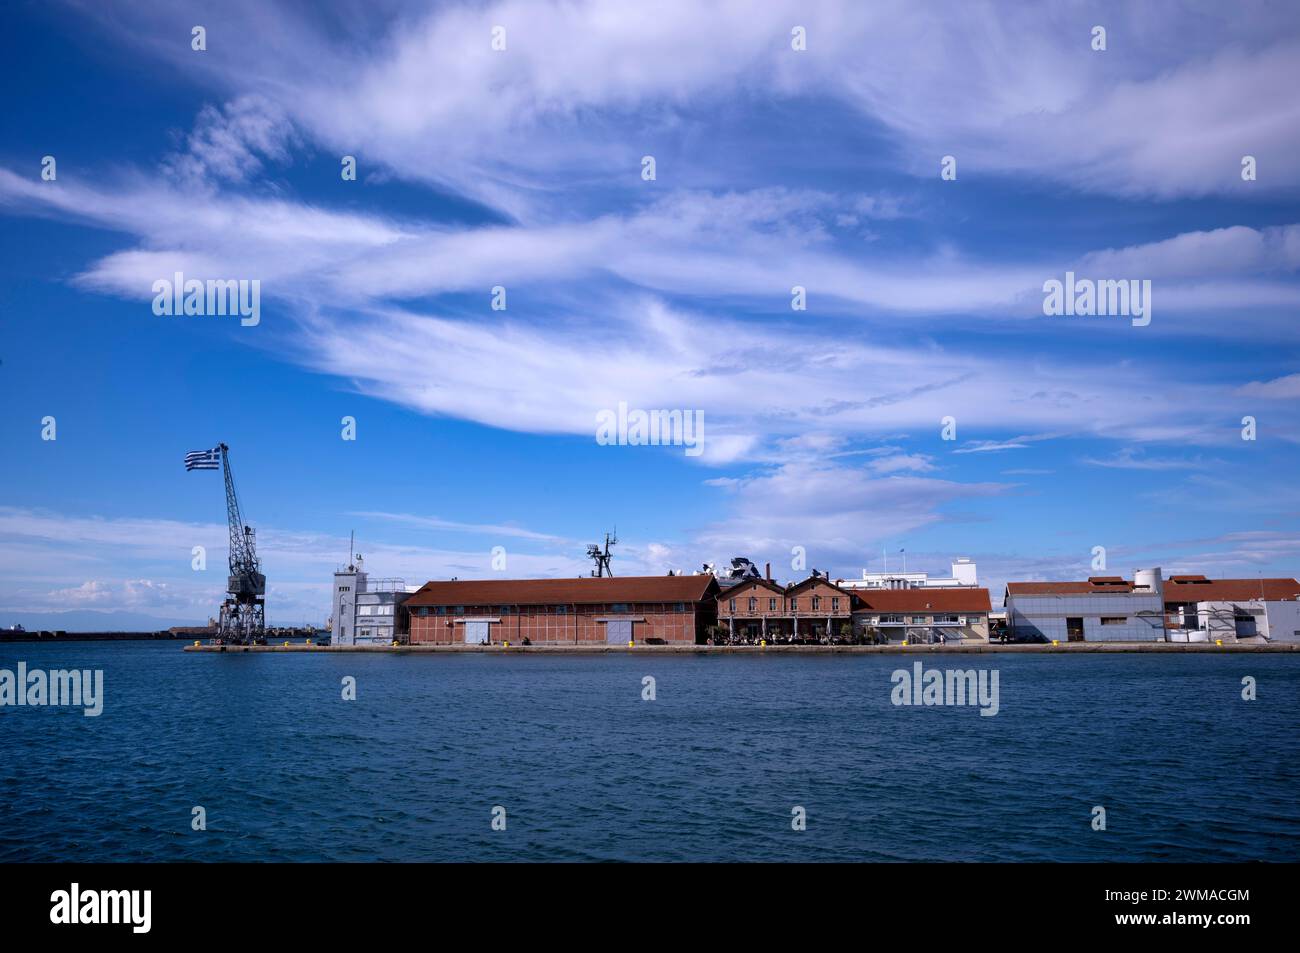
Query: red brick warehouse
[[762, 609], [646, 609]]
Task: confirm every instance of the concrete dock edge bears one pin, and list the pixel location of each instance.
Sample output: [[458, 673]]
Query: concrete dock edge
[[1086, 648]]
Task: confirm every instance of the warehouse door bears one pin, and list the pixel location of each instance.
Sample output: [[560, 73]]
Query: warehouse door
[[618, 631], [476, 632]]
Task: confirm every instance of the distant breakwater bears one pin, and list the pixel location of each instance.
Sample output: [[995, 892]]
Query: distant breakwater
[[60, 636], [163, 636]]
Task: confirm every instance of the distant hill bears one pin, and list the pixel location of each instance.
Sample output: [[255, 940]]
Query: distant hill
[[91, 620]]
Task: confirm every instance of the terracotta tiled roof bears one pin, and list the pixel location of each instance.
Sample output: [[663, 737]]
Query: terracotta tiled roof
[[482, 592], [1177, 588], [1064, 588], [800, 586], [731, 592], [1200, 589], [922, 600]]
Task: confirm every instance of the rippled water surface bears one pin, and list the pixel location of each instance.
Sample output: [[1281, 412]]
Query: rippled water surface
[[710, 770]]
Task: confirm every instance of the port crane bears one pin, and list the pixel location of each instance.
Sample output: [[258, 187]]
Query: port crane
[[243, 613], [242, 619]]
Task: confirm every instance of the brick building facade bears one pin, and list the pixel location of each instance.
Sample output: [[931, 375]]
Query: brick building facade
[[645, 609], [817, 610], [765, 610]]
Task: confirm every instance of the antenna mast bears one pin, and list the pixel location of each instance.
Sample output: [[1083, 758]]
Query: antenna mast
[[602, 557]]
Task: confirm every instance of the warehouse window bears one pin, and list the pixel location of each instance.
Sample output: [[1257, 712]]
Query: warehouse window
[[918, 620], [679, 607], [442, 610], [817, 603], [620, 607], [946, 618], [731, 605], [794, 604], [459, 610], [835, 603], [1114, 620], [424, 610], [753, 604], [561, 610], [771, 605]]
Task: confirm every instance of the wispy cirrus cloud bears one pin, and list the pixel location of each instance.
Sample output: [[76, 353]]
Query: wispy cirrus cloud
[[1280, 388], [1020, 94], [1130, 458], [454, 526], [830, 510], [334, 271], [52, 561]]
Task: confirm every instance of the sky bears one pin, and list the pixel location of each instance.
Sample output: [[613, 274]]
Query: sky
[[919, 170]]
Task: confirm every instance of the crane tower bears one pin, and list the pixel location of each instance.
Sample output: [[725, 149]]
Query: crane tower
[[243, 617]]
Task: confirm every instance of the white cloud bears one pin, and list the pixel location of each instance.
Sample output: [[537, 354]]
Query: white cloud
[[1131, 458], [1169, 109], [52, 561], [232, 143], [901, 463], [1233, 251], [1280, 388], [836, 512], [433, 522]]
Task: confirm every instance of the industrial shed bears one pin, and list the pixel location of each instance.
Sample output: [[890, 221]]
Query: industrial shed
[[645, 609]]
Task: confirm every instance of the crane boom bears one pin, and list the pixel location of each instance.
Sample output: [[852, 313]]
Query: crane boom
[[245, 568]]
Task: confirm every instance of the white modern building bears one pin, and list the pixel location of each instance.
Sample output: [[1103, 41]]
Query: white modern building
[[1100, 609], [1199, 609], [963, 577], [366, 611], [1151, 608]]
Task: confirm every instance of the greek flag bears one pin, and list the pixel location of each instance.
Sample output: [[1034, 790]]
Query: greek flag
[[203, 459]]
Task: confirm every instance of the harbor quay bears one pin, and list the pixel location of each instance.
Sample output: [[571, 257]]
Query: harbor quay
[[744, 608], [1085, 648]]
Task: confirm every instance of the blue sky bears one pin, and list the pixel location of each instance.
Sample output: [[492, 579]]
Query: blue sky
[[522, 167]]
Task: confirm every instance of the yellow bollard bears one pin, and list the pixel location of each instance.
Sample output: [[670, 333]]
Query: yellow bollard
[[309, 641], [1056, 641], [196, 642], [506, 644], [762, 643], [286, 645], [1218, 641], [631, 643]]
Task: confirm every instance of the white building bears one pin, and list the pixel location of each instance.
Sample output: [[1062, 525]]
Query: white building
[[366, 611], [1199, 609], [1152, 608], [963, 577], [1100, 609]]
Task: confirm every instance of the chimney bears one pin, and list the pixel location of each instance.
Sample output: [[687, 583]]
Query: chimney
[[768, 573]]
